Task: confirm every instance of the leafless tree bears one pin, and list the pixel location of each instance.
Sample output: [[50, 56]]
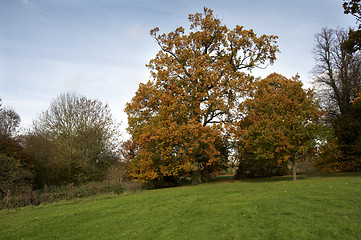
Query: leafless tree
[[337, 76], [337, 73]]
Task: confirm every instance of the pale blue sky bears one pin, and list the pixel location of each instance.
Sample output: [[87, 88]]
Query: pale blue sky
[[99, 48]]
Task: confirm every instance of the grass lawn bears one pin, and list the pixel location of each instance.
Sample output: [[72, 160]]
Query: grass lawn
[[314, 207]]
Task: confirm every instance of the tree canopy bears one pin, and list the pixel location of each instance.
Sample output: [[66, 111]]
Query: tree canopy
[[75, 140]]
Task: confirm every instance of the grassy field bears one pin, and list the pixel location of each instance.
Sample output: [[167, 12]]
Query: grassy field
[[315, 207]]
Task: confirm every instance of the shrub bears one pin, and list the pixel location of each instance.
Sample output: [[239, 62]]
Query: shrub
[[57, 193], [14, 179], [133, 186], [117, 173]]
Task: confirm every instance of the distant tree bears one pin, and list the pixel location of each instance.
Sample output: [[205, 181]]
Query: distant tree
[[9, 121], [338, 76], [75, 139], [279, 124], [198, 76]]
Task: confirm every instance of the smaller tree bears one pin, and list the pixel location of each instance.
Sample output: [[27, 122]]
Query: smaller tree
[[9, 121], [279, 123], [82, 137]]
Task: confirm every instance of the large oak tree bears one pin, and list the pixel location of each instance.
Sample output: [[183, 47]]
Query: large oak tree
[[198, 77]]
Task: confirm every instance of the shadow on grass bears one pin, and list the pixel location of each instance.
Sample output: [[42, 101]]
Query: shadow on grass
[[342, 174], [301, 177], [289, 178], [277, 179], [257, 180], [223, 178]]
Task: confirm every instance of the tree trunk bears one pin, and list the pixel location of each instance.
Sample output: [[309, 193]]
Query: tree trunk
[[294, 171], [196, 174]]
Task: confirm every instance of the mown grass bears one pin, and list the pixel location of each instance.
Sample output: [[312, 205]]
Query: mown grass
[[315, 207]]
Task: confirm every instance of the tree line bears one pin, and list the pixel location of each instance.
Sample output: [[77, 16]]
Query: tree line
[[75, 141], [201, 111]]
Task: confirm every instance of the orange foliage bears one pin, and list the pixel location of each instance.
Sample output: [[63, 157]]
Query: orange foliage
[[178, 118]]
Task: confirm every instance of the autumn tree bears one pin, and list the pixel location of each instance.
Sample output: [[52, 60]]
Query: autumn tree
[[198, 76], [74, 140], [338, 76], [278, 124]]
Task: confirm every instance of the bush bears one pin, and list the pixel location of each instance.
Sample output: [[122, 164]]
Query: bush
[[117, 173], [14, 179], [57, 193], [20, 199], [133, 186], [253, 169], [332, 158]]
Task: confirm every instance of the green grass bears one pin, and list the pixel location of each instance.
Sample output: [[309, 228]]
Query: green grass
[[315, 207]]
